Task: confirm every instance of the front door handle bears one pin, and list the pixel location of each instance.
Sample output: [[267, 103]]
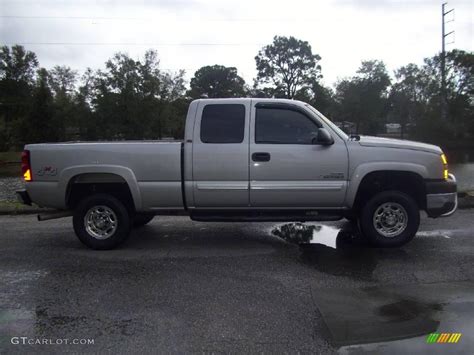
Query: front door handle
[[260, 156]]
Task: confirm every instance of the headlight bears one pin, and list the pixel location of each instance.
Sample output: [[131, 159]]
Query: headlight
[[445, 166]]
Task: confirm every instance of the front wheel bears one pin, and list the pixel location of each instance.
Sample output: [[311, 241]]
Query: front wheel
[[390, 219], [101, 222]]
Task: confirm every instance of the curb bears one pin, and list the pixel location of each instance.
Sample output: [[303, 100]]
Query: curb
[[466, 199], [16, 208], [17, 212]]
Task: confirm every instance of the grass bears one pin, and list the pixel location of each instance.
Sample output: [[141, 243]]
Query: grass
[[10, 164], [10, 157], [15, 207]]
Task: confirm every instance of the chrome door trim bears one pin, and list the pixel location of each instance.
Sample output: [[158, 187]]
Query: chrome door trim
[[298, 185], [222, 185]]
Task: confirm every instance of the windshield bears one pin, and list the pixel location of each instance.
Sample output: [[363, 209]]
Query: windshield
[[326, 120]]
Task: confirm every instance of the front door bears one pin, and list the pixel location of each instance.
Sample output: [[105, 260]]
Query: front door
[[286, 169], [220, 153]]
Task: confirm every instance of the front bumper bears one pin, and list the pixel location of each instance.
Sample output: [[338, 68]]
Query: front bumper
[[441, 197], [23, 197]]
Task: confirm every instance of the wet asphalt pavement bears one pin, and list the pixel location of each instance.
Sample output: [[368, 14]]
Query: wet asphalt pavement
[[182, 286]]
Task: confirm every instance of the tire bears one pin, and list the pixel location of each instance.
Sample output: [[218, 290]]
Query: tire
[[140, 219], [351, 218], [390, 219], [107, 219]]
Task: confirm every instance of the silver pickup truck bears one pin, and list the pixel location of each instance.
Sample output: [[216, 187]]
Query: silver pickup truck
[[242, 160]]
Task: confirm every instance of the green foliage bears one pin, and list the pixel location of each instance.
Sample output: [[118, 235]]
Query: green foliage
[[40, 124], [18, 64], [320, 97], [416, 98], [217, 81], [289, 64], [135, 99], [130, 98], [17, 79], [362, 99]]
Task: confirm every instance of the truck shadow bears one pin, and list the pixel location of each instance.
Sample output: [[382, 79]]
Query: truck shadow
[[194, 239]]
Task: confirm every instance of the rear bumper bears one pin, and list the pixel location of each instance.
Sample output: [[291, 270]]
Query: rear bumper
[[441, 197], [23, 197]]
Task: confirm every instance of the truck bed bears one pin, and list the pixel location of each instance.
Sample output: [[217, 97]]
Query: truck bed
[[155, 167]]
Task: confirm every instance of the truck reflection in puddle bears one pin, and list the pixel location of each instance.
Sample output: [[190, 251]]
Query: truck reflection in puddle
[[300, 233], [336, 251]]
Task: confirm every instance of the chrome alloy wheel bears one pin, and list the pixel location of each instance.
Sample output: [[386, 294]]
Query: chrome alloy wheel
[[100, 222], [390, 219]]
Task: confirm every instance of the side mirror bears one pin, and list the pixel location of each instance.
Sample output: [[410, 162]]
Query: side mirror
[[323, 137]]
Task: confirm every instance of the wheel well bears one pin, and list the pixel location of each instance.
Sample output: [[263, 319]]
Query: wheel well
[[378, 181], [84, 185]]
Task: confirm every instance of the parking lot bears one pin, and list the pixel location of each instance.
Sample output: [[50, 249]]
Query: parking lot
[[183, 286]]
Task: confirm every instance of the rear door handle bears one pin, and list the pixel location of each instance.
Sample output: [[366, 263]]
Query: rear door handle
[[260, 156]]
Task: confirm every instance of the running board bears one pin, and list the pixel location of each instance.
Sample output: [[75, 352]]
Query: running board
[[264, 216]]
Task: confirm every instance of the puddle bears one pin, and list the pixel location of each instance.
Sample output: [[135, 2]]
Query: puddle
[[398, 319], [332, 250], [390, 319], [15, 321], [405, 309]]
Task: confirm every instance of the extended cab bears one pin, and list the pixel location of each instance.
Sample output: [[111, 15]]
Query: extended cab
[[243, 160]]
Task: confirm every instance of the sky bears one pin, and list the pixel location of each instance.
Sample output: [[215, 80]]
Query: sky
[[189, 34]]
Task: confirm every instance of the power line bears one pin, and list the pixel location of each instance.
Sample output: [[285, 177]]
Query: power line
[[129, 44], [107, 18], [69, 17]]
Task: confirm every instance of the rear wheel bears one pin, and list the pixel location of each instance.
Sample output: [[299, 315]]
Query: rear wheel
[[390, 219], [101, 221]]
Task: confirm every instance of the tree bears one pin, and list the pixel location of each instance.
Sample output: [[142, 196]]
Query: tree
[[18, 64], [409, 96], [62, 81], [173, 85], [172, 105], [363, 98], [40, 125], [17, 79], [84, 118], [132, 99], [460, 79], [289, 64], [319, 96], [349, 102], [217, 81], [459, 92], [120, 90]]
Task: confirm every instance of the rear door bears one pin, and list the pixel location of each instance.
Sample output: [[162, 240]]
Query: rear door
[[286, 169], [221, 153]]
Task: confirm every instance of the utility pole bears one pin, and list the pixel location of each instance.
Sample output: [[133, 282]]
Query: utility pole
[[444, 99]]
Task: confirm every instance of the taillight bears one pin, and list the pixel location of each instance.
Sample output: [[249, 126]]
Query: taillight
[[25, 165]]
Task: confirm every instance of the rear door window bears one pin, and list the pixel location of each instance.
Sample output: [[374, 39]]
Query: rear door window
[[223, 123]]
